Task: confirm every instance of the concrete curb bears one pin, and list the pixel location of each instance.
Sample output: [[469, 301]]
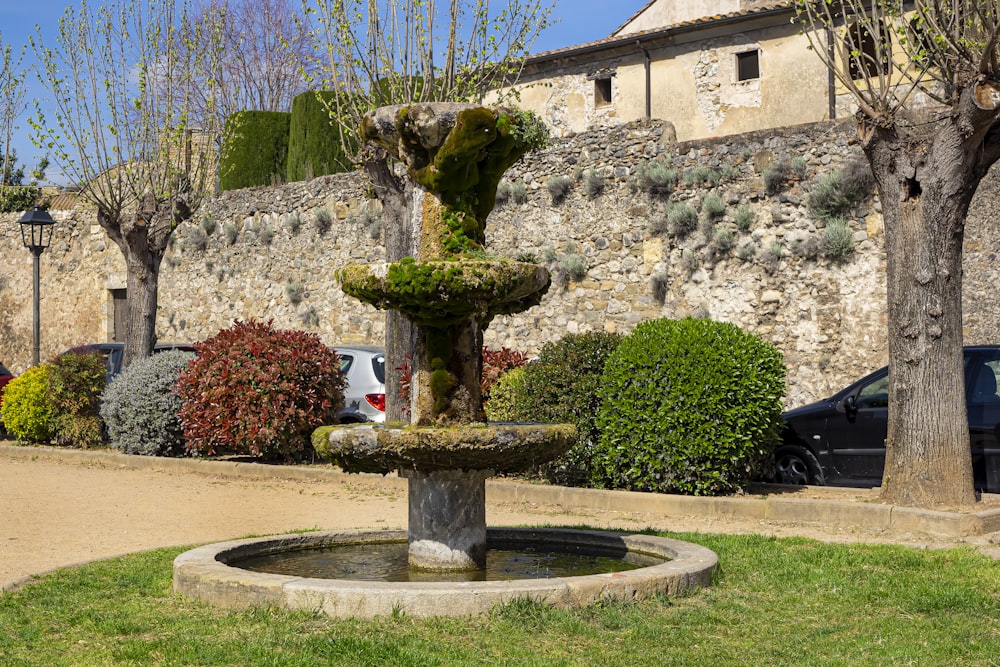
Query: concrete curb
[[837, 513]]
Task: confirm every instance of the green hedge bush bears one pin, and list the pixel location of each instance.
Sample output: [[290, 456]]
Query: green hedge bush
[[688, 406], [314, 145], [256, 390], [76, 382], [561, 387], [142, 409], [27, 410], [254, 149]]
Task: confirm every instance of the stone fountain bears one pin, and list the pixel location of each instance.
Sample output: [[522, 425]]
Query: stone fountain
[[451, 291]]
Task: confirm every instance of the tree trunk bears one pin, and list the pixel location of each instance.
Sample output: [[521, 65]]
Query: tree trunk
[[142, 281], [925, 196], [396, 196], [143, 254]]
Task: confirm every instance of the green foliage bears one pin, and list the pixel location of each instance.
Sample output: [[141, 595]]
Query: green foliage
[[778, 175], [712, 205], [701, 176], [689, 261], [593, 184], [744, 217], [322, 220], [561, 386], [254, 149], [14, 194], [27, 409], [838, 240], [656, 177], [682, 219], [497, 362], [18, 197], [574, 266], [838, 193], [260, 391], [723, 240], [507, 191], [76, 382], [315, 146], [746, 251], [501, 405], [688, 406], [559, 188], [295, 291], [141, 407]]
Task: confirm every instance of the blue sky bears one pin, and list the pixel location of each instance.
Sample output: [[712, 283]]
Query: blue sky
[[579, 21]]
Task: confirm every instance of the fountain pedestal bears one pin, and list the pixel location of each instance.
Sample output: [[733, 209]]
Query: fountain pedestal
[[447, 519]]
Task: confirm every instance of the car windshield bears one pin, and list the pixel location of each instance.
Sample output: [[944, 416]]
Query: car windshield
[[4, 371], [378, 365]]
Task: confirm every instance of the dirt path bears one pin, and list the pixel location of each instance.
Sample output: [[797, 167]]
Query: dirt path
[[56, 512]]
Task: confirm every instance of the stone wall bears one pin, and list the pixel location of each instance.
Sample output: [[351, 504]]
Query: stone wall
[[260, 253]]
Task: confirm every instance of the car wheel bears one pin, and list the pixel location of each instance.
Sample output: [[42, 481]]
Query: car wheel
[[796, 465]]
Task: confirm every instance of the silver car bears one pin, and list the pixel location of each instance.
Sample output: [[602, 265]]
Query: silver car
[[364, 395]]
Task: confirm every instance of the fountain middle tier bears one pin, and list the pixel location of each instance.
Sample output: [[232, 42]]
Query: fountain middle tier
[[447, 469]]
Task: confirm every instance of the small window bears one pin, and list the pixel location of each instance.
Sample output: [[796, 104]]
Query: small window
[[602, 92], [869, 52], [748, 65]]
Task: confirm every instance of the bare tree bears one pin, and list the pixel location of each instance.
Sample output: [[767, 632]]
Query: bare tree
[[925, 76], [123, 84], [268, 52], [382, 53], [12, 105]]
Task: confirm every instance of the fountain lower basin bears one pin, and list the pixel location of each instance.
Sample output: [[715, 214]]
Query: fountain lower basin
[[206, 573]]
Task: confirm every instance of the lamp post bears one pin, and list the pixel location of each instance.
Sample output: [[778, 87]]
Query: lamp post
[[36, 233]]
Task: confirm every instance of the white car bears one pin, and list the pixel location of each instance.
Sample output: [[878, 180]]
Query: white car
[[364, 395]]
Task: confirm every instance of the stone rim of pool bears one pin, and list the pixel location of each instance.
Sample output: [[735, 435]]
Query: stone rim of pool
[[204, 573]]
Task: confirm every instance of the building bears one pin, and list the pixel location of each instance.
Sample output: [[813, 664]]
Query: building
[[710, 67]]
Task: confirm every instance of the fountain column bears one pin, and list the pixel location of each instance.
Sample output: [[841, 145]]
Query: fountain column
[[451, 291]]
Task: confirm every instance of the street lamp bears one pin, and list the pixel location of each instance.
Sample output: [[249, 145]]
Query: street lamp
[[36, 233]]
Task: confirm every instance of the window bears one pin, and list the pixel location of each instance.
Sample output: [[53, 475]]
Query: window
[[602, 92], [869, 53], [875, 394], [748, 65]]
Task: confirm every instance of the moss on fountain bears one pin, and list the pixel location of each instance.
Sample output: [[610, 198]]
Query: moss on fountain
[[383, 449], [442, 293]]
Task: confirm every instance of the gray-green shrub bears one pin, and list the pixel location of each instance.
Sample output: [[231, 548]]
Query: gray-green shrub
[[561, 387], [838, 240], [712, 205], [687, 406], [559, 188], [744, 217], [682, 219], [141, 408], [656, 177]]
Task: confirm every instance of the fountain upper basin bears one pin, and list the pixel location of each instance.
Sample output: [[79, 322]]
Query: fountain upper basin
[[501, 447]]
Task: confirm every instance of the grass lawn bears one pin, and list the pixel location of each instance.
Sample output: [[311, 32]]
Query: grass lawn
[[785, 601]]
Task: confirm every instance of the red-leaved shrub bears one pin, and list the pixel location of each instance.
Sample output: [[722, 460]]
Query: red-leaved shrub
[[496, 362], [256, 390]]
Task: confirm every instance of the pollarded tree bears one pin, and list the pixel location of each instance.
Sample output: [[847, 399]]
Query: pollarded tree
[[124, 83], [925, 76], [409, 51], [12, 105]]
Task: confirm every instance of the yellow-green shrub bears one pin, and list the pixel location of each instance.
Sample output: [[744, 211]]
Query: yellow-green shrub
[[27, 410]]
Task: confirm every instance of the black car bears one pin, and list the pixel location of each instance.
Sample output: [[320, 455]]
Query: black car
[[841, 440]]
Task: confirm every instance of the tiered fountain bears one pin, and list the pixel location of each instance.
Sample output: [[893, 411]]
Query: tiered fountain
[[451, 292]]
